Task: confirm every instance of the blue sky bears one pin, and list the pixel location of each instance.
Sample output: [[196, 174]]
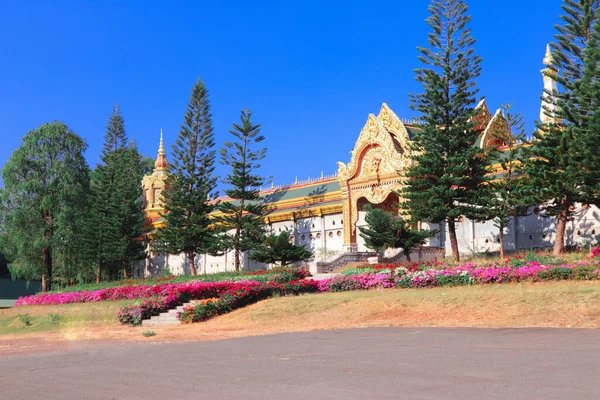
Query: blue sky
[[310, 71]]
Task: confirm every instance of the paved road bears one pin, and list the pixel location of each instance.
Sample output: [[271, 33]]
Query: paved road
[[387, 363]]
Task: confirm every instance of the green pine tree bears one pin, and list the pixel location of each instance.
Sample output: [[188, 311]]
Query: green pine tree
[[445, 180], [245, 214], [191, 184], [46, 188], [278, 249], [588, 128], [105, 242], [506, 190], [559, 167], [131, 172], [384, 231]]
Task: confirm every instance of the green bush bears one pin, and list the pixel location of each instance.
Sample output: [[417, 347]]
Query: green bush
[[454, 280], [556, 274], [25, 319]]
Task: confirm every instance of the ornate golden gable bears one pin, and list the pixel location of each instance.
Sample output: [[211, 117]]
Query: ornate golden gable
[[379, 154]]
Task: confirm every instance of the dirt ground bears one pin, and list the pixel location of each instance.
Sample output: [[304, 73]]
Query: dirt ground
[[558, 305]]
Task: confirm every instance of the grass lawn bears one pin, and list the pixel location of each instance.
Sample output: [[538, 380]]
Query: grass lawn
[[23, 320]]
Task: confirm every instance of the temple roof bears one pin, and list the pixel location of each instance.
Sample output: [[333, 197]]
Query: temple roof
[[323, 195]]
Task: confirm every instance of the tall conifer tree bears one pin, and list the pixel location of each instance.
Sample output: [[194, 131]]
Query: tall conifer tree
[[448, 168], [190, 184], [589, 127], [105, 244], [244, 215], [131, 172], [116, 215], [559, 168], [46, 187]]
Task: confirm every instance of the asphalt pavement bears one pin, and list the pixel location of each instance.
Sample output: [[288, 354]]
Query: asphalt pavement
[[382, 363]]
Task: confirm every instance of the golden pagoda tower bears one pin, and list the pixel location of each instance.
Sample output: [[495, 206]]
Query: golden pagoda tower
[[154, 185]]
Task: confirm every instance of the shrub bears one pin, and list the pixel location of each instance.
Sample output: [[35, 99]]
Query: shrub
[[130, 315], [148, 333], [134, 314], [556, 274], [25, 319], [243, 296]]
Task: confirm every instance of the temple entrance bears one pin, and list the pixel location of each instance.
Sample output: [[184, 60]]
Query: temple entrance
[[373, 174], [390, 204]]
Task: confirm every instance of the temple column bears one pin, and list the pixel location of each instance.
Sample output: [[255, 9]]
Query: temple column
[[323, 235], [348, 205]]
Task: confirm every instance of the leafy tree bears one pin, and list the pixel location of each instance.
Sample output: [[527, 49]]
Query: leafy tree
[[245, 214], [147, 165], [46, 186], [507, 189], [560, 168], [277, 248], [384, 231], [190, 184], [445, 180]]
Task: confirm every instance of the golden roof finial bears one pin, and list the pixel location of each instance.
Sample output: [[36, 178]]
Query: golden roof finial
[[161, 160], [161, 146], [548, 59]]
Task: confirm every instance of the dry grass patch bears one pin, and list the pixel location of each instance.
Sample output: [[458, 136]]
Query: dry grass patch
[[553, 304], [31, 319], [556, 304]]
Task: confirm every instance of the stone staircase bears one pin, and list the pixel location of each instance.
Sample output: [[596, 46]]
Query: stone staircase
[[166, 318]]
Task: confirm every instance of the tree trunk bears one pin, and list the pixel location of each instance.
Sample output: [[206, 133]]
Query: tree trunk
[[561, 227], [47, 277], [501, 237], [236, 250], [453, 240], [236, 259], [125, 273], [99, 271], [407, 255], [191, 258]]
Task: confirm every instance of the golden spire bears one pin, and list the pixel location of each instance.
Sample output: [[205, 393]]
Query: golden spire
[[161, 146], [161, 161]]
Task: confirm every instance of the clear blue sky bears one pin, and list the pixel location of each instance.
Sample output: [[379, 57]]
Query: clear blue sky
[[310, 71]]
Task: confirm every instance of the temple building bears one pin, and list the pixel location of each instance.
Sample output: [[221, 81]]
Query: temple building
[[324, 214]]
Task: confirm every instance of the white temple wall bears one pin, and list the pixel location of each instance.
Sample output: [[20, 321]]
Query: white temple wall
[[360, 241], [324, 236], [436, 240]]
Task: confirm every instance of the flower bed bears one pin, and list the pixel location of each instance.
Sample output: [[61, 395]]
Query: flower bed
[[238, 298], [285, 274], [235, 296], [466, 274], [191, 290]]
